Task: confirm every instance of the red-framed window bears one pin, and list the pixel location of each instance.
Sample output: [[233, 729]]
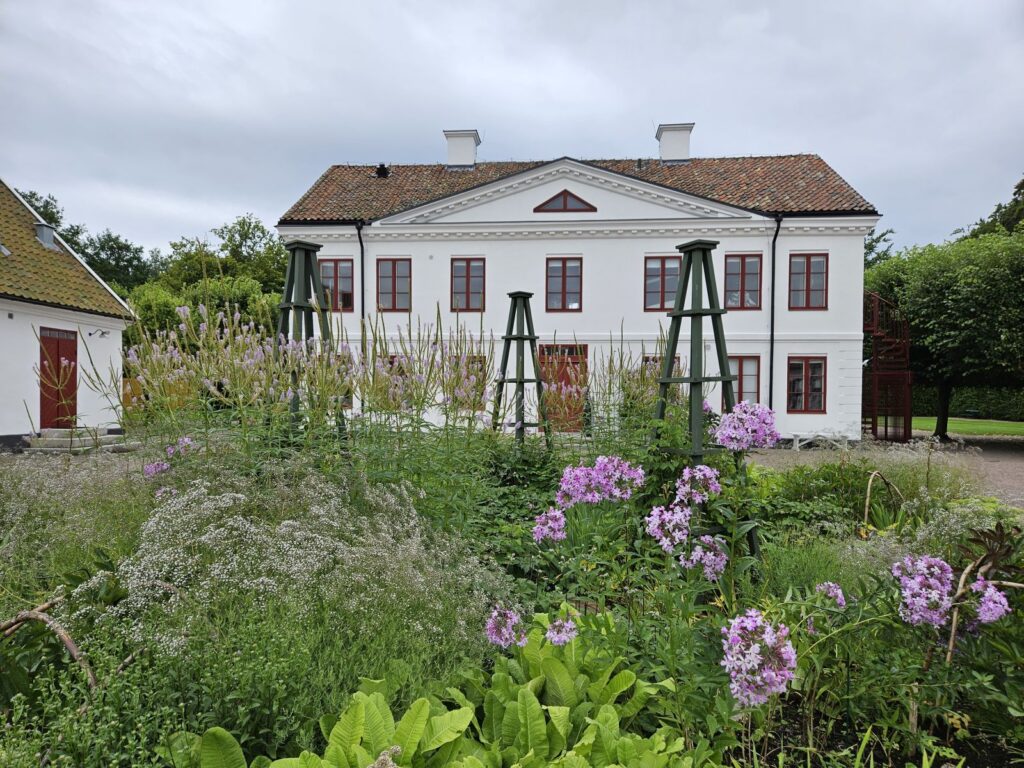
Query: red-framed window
[[661, 278], [468, 278], [564, 284], [805, 385], [743, 281], [747, 370], [336, 276], [808, 281], [394, 285], [565, 202]]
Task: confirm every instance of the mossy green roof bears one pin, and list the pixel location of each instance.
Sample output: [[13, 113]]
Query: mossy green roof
[[32, 272]]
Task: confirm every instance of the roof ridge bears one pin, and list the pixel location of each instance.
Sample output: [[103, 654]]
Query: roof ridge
[[372, 166]]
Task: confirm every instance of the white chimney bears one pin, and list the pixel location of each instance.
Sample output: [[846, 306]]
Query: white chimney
[[44, 233], [462, 148], [674, 141]]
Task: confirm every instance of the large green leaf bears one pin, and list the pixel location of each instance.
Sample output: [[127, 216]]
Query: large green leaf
[[336, 758], [348, 731], [533, 733], [509, 724], [494, 711], [559, 690], [410, 730], [617, 685], [444, 728], [220, 750], [180, 749], [379, 727]]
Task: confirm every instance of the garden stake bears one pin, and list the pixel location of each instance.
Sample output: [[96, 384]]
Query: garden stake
[[520, 330]]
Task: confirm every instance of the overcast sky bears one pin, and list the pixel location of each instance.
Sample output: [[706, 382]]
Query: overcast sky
[[162, 119]]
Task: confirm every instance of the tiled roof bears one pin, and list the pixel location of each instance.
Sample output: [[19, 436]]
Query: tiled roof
[[790, 184], [33, 272]]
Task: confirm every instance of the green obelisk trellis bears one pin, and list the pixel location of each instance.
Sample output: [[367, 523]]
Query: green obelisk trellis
[[303, 296], [696, 272], [520, 330]]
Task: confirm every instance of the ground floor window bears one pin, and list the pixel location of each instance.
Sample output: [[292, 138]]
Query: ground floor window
[[805, 388], [747, 370]]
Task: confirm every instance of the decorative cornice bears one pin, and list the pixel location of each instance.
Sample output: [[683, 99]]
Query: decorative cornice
[[567, 170], [571, 229]]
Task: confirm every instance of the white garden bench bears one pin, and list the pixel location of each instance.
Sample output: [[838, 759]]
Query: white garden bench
[[812, 438]]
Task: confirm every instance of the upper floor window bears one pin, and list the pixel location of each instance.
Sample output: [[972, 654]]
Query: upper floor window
[[661, 278], [394, 285], [805, 385], [467, 285], [564, 284], [743, 281], [565, 202], [747, 370], [808, 281], [336, 276]]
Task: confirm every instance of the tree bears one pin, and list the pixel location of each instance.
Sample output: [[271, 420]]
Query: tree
[[116, 260], [1005, 217], [878, 247], [964, 301], [254, 250]]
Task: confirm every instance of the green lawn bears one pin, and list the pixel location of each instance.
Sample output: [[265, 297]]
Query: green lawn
[[973, 426]]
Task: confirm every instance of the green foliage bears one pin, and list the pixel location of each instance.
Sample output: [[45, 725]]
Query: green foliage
[[878, 247], [1006, 217], [1002, 403]]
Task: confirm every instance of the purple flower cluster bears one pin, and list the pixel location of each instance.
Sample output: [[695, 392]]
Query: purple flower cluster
[[709, 552], [155, 468], [503, 628], [561, 631], [610, 479], [549, 525], [926, 584], [669, 525], [758, 657], [165, 491], [183, 446], [993, 604], [833, 590], [748, 425], [697, 484]]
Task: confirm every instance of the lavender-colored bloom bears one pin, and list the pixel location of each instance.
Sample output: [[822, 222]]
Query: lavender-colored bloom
[[183, 312], [170, 451], [155, 468], [165, 491], [748, 425], [503, 628], [669, 525], [926, 584], [696, 485], [709, 553], [833, 590], [561, 631], [549, 525], [758, 656], [610, 479], [993, 604]]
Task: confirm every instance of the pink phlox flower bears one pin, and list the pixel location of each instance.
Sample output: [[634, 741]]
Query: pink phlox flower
[[748, 425], [696, 485], [759, 658], [610, 479], [669, 525], [993, 604], [155, 468], [561, 631], [833, 590], [710, 553], [926, 587], [549, 525], [503, 628]]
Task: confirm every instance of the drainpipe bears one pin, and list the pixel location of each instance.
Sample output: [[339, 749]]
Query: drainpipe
[[359, 224], [771, 321]]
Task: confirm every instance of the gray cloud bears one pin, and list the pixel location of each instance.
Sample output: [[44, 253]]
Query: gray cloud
[[166, 119]]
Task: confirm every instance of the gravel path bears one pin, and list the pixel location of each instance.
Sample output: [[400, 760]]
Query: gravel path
[[997, 463]]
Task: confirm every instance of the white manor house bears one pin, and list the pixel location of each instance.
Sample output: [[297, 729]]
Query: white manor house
[[595, 242]]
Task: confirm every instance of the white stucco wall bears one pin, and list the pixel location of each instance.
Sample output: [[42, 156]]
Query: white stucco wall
[[19, 347], [613, 244]]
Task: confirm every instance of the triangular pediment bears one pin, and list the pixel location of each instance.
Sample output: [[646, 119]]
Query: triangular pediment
[[565, 190]]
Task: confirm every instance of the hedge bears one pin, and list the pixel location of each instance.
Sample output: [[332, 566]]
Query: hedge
[[978, 402]]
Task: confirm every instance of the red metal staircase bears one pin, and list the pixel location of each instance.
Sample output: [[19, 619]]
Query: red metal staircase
[[885, 410]]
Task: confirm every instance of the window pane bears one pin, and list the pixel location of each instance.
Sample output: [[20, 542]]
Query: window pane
[[458, 300], [797, 282], [384, 284], [753, 264], [817, 299], [402, 301], [732, 283], [652, 284], [401, 284], [732, 299], [572, 283], [458, 268], [554, 268], [476, 268], [572, 300], [574, 204], [671, 285], [458, 286], [554, 285], [652, 299], [346, 300], [814, 402], [797, 299], [750, 283], [818, 264], [749, 366], [797, 265], [817, 281], [733, 366], [573, 267], [554, 300], [403, 268], [732, 266], [476, 284], [652, 268]]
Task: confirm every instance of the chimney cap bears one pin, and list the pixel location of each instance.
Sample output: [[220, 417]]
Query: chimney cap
[[673, 127], [470, 133], [44, 234]]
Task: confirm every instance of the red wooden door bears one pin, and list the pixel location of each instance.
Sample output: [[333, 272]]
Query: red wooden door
[[564, 368], [58, 378]]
